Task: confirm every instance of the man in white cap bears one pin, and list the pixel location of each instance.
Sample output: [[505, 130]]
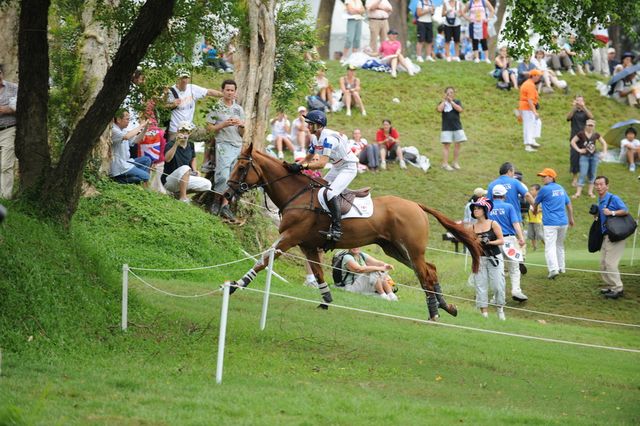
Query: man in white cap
[[182, 98], [511, 223], [180, 170]]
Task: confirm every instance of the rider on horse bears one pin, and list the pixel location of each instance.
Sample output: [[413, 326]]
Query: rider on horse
[[329, 146]]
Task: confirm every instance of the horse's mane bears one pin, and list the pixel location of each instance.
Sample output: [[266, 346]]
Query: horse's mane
[[279, 163]]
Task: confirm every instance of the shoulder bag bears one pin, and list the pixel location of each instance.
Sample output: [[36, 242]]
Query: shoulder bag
[[620, 227]]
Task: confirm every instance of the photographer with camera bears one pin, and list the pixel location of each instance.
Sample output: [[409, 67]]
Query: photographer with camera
[[491, 271], [180, 169], [609, 205]]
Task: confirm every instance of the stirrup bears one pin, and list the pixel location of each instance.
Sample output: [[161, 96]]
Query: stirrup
[[332, 235]]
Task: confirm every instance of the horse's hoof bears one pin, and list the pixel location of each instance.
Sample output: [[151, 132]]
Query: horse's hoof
[[452, 310], [323, 306], [234, 286], [327, 297], [434, 318]]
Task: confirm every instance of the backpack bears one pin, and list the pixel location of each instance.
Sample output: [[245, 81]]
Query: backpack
[[336, 268], [315, 103]]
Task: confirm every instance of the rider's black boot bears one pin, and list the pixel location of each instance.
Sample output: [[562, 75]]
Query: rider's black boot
[[336, 219]]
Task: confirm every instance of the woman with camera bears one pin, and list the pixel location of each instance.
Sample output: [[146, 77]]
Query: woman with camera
[[584, 142], [491, 272]]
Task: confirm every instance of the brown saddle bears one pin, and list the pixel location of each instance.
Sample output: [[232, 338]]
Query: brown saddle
[[347, 197]]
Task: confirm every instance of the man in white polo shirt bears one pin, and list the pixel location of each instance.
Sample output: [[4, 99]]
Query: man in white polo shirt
[[182, 99]]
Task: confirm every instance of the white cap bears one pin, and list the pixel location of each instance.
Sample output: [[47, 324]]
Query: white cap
[[499, 190], [186, 125]]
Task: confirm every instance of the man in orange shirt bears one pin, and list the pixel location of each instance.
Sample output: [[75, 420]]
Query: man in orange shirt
[[528, 107]]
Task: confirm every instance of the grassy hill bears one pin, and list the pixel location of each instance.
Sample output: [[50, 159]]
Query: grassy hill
[[65, 361]]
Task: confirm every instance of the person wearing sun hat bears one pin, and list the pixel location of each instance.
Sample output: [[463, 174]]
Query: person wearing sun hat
[[528, 108], [557, 216], [490, 274]]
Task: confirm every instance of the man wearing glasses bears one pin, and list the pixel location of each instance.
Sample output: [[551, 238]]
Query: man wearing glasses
[[8, 98]]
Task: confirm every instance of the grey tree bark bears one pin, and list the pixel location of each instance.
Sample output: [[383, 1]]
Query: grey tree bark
[[399, 21], [256, 59], [9, 39], [323, 24]]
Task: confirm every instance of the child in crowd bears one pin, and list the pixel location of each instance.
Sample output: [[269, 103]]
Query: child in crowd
[[534, 230], [438, 47]]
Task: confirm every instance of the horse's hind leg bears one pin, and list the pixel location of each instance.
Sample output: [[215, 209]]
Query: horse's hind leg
[[451, 309], [313, 256]]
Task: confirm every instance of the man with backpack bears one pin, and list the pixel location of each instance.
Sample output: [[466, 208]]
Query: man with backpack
[[362, 273], [181, 99]]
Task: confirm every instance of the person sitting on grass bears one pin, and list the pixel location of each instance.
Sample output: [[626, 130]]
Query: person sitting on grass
[[389, 140], [123, 168], [503, 71], [180, 170], [391, 54], [630, 148], [280, 128], [368, 154], [362, 273], [350, 86]]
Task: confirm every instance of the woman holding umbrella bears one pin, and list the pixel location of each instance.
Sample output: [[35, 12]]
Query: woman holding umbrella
[[625, 85]]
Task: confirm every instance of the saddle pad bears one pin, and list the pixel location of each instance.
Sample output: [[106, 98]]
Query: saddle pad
[[362, 206]]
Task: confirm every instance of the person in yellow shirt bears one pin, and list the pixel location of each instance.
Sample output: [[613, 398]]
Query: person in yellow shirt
[[534, 230]]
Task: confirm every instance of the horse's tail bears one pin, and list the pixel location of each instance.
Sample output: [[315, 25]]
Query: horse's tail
[[463, 235]]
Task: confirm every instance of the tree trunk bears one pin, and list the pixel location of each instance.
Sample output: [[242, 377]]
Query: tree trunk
[[31, 144], [398, 21], [323, 24], [61, 190], [9, 39], [500, 11], [616, 39], [256, 70]]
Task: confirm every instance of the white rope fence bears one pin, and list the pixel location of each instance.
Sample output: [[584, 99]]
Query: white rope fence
[[492, 304], [267, 292]]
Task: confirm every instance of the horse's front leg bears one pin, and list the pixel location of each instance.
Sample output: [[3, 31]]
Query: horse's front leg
[[313, 256], [281, 245]]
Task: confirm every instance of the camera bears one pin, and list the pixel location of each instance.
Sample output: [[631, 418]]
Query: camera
[[594, 209]]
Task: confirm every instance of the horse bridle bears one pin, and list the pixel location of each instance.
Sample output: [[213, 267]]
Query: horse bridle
[[240, 187]]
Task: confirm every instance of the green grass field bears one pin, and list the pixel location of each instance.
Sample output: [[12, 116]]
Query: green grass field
[[65, 360]]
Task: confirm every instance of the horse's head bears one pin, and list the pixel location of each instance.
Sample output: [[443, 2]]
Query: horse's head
[[244, 176]]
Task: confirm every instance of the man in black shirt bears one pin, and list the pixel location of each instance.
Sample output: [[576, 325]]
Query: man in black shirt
[[180, 170], [578, 117]]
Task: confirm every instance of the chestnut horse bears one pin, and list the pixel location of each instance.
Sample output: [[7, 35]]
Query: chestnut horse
[[397, 225]]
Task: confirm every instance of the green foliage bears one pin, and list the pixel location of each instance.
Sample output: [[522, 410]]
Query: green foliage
[[563, 17], [296, 38]]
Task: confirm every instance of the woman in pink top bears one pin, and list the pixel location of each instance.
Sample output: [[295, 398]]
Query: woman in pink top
[[391, 53]]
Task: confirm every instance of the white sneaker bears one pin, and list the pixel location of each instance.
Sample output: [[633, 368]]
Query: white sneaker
[[488, 61], [632, 167], [448, 58], [476, 60], [456, 59], [348, 113], [383, 296], [529, 148], [519, 296], [501, 315], [484, 314], [392, 297], [394, 74], [280, 155], [535, 144], [383, 165], [571, 71], [430, 59], [558, 73], [419, 59], [364, 113], [403, 165]]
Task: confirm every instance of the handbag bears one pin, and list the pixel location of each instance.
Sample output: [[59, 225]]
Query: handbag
[[595, 237], [620, 227]]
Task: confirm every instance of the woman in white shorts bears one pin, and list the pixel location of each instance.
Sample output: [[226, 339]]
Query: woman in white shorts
[[452, 131], [362, 273]]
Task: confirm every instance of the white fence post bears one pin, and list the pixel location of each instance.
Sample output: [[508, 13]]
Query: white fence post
[[125, 294], [223, 331], [267, 288]]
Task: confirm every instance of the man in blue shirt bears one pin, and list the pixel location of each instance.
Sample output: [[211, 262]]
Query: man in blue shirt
[[515, 188], [609, 205], [555, 220], [510, 222]]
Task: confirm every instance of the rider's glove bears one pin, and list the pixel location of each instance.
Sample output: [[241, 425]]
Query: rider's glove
[[294, 167]]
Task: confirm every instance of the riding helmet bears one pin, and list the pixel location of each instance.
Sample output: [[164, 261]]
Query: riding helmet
[[317, 117]]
